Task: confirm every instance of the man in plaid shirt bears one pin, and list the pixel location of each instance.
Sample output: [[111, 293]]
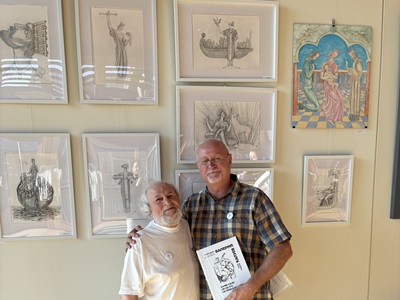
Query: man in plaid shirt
[[229, 208]]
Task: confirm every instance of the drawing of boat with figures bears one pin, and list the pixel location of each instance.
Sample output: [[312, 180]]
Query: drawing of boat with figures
[[223, 48]]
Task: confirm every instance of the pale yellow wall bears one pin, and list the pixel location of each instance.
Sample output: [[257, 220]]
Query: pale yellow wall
[[353, 262]]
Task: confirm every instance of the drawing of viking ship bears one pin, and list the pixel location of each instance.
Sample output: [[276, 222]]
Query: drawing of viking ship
[[212, 49], [34, 193]]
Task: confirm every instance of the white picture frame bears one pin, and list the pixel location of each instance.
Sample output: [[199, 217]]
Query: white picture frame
[[118, 168], [36, 190], [250, 111], [327, 189], [111, 74], [32, 52], [203, 29], [189, 181]]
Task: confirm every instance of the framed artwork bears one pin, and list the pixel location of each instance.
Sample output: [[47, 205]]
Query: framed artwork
[[117, 51], [190, 181], [331, 76], [243, 118], [226, 40], [36, 187], [118, 169], [32, 52], [327, 188], [395, 197]]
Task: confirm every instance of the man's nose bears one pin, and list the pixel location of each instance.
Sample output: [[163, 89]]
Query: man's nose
[[166, 200]]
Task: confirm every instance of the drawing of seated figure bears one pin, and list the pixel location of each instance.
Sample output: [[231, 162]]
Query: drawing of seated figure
[[328, 197], [221, 129]]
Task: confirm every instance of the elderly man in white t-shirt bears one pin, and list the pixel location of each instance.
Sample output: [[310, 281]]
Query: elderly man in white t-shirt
[[161, 264]]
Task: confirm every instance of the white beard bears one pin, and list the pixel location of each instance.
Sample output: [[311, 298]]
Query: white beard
[[174, 220]]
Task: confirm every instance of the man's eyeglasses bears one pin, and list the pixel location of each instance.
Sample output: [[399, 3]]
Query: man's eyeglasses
[[214, 161]]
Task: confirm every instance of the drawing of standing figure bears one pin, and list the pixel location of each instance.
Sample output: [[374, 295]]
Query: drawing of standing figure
[[308, 74], [125, 178], [232, 36], [333, 104], [122, 40], [355, 74]]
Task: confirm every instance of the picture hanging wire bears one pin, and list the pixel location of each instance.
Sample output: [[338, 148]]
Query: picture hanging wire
[[333, 28]]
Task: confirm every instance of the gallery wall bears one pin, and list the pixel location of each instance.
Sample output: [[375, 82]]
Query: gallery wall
[[351, 261]]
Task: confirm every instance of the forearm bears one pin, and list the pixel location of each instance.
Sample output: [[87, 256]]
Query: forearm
[[272, 264], [128, 297]]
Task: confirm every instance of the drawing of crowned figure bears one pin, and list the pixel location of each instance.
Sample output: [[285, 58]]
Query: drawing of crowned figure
[[232, 36], [332, 107], [121, 40], [308, 74]]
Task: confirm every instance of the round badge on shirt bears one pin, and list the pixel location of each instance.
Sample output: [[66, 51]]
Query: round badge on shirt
[[168, 256], [229, 215]]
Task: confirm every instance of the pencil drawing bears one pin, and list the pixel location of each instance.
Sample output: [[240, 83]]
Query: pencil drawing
[[35, 194], [121, 40], [227, 46]]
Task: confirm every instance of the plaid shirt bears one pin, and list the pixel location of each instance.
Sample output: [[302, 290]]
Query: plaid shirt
[[252, 219]]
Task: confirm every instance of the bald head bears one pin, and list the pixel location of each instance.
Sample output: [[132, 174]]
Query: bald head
[[212, 144]]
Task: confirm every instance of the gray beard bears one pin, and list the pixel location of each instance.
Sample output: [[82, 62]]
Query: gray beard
[[172, 221]]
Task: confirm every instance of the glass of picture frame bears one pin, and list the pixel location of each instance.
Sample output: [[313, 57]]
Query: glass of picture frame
[[226, 40], [32, 52], [244, 118], [36, 190], [190, 181], [118, 168], [327, 189], [117, 51]]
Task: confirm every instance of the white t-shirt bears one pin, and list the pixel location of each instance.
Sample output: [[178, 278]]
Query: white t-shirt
[[161, 265]]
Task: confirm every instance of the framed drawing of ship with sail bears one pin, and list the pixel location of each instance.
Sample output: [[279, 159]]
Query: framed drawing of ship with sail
[[32, 52], [36, 187], [226, 40]]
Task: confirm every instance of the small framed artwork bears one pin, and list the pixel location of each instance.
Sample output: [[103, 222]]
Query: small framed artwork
[[190, 181], [117, 51], [226, 40], [36, 187], [243, 118], [32, 52], [118, 169], [327, 188]]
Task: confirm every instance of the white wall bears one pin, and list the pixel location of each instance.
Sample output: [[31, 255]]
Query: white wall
[[356, 261]]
